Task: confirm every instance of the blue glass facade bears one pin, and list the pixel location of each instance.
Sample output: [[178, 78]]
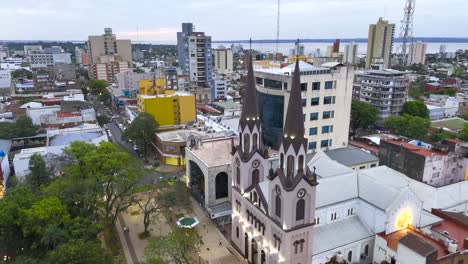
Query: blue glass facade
[[271, 108]]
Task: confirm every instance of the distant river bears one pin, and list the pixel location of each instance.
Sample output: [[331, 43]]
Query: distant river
[[313, 46]]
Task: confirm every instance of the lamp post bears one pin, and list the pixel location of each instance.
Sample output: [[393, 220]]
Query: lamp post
[[198, 257]]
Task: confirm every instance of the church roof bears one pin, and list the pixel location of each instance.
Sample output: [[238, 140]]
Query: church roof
[[293, 133], [249, 114], [339, 233]]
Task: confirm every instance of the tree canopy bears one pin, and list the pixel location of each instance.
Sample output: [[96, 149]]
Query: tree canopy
[[142, 131], [79, 252], [415, 108], [38, 173], [463, 134], [23, 127], [362, 115], [409, 126], [175, 246]]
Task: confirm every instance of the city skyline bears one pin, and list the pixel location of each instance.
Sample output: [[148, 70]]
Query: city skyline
[[75, 20]]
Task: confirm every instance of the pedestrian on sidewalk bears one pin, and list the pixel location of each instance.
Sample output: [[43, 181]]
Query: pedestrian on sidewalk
[[125, 229]]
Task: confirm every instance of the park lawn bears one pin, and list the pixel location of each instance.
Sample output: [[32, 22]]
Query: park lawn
[[452, 124]]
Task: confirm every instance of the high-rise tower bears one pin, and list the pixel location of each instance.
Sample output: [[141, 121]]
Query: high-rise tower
[[380, 43]]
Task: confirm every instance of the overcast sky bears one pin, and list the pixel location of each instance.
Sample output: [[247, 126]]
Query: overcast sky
[[158, 20]]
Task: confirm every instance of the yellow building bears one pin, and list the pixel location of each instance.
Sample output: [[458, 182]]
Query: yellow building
[[152, 86], [173, 108]]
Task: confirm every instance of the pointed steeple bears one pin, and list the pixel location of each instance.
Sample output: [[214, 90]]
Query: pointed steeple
[[294, 124], [249, 115]]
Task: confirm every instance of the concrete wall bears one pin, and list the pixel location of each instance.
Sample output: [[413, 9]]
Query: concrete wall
[[36, 113], [408, 256]]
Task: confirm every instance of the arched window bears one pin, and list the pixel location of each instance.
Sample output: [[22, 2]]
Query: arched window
[[366, 250], [255, 141], [300, 209], [278, 206], [238, 176], [296, 243], [300, 166], [281, 160], [302, 245], [255, 176], [350, 256], [240, 139], [221, 185], [237, 232], [255, 197], [290, 166], [246, 143]]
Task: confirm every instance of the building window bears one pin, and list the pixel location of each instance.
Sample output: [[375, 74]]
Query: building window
[[315, 86], [317, 221], [314, 116], [255, 176], [300, 210], [324, 143], [255, 197], [350, 211], [329, 100], [373, 165], [312, 131], [303, 87], [237, 232], [313, 145], [362, 167], [333, 216], [238, 175], [300, 163], [304, 102], [255, 141], [290, 166], [278, 206], [246, 143], [281, 161], [329, 85], [328, 114], [350, 256], [315, 101], [366, 250], [327, 129]]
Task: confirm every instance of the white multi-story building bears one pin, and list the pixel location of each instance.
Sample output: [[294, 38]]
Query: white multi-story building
[[219, 89], [417, 53], [350, 53], [223, 60], [326, 101]]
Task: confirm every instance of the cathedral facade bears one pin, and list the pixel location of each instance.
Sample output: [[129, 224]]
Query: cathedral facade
[[272, 208]]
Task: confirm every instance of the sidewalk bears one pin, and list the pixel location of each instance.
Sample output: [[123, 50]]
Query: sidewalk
[[127, 245], [211, 250]]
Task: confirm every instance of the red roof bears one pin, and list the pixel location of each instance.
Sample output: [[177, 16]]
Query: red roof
[[415, 149], [393, 239], [456, 224], [62, 115]]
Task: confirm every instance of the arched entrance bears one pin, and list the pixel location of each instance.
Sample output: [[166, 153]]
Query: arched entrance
[[197, 182], [221, 185], [254, 252]]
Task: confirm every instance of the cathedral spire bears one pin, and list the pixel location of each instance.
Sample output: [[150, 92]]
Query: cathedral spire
[[294, 124], [249, 115]]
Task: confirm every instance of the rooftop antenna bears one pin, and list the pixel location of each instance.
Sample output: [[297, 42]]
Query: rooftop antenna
[[406, 32], [277, 32]]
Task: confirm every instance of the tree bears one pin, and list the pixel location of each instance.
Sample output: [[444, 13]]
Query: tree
[[442, 134], [176, 246], [164, 195], [109, 175], [38, 174], [362, 115], [463, 134], [23, 127], [103, 119], [79, 252], [42, 215], [142, 131], [97, 86], [409, 126], [53, 236], [415, 108]]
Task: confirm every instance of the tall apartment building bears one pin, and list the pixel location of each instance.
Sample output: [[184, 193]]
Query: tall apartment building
[[350, 53], [195, 55], [386, 89], [417, 53], [380, 43], [30, 49], [219, 89], [108, 56], [326, 101], [223, 62], [273, 210]]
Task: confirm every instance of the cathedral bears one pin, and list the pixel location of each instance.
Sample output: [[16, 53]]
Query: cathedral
[[273, 210]]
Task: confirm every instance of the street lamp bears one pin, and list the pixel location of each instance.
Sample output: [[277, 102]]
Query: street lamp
[[198, 257]]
